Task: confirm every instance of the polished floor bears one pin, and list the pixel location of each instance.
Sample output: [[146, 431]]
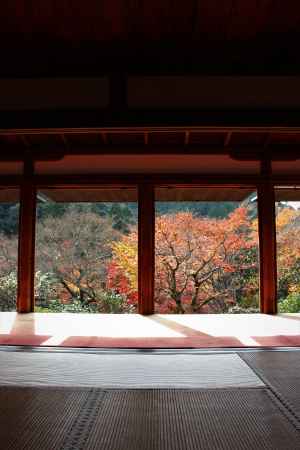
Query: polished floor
[[156, 331]]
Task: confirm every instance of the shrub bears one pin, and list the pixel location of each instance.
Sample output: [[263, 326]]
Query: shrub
[[291, 304], [242, 310], [8, 291], [113, 302], [44, 288]]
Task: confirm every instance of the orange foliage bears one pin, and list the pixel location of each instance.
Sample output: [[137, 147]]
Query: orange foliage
[[195, 260]]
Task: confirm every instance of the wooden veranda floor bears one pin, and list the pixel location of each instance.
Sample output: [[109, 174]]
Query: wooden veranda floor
[[156, 331]]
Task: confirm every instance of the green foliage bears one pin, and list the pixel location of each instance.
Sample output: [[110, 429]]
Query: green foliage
[[108, 302], [291, 304], [50, 209], [198, 209], [55, 306], [289, 276], [8, 291], [122, 217], [112, 302], [9, 218]]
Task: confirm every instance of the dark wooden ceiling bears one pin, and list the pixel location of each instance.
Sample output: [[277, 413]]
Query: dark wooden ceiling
[[60, 37]]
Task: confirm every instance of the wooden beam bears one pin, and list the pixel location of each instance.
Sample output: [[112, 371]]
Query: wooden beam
[[267, 243], [25, 298], [118, 116], [281, 129], [11, 181], [40, 153], [163, 179], [146, 249], [9, 155]]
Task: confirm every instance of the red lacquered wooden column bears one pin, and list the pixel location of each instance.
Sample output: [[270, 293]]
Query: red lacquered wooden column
[[146, 249], [25, 300], [267, 244]]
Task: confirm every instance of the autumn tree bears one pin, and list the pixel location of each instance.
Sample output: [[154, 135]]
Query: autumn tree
[[122, 270], [200, 262], [74, 250], [288, 250]]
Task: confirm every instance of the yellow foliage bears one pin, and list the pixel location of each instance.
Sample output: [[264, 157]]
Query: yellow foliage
[[284, 217], [125, 257]]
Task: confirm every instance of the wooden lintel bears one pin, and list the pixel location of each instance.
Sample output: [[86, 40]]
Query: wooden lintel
[[175, 179], [239, 153]]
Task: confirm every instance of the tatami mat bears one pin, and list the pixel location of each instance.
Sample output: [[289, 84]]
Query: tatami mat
[[281, 371], [42, 418], [241, 419], [92, 419], [126, 370]]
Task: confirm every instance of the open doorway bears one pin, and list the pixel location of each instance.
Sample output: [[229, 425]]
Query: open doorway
[[9, 235], [206, 250], [288, 248], [86, 242]]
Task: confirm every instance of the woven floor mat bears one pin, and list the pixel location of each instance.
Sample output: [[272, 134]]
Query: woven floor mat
[[114, 371], [42, 418], [65, 419], [280, 371]]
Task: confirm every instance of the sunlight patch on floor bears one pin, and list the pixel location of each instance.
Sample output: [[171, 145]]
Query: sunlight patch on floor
[[242, 326], [57, 328], [7, 320], [101, 325]]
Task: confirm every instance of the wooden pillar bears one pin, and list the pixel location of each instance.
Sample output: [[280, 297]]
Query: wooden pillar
[[25, 300], [146, 249], [267, 246]]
